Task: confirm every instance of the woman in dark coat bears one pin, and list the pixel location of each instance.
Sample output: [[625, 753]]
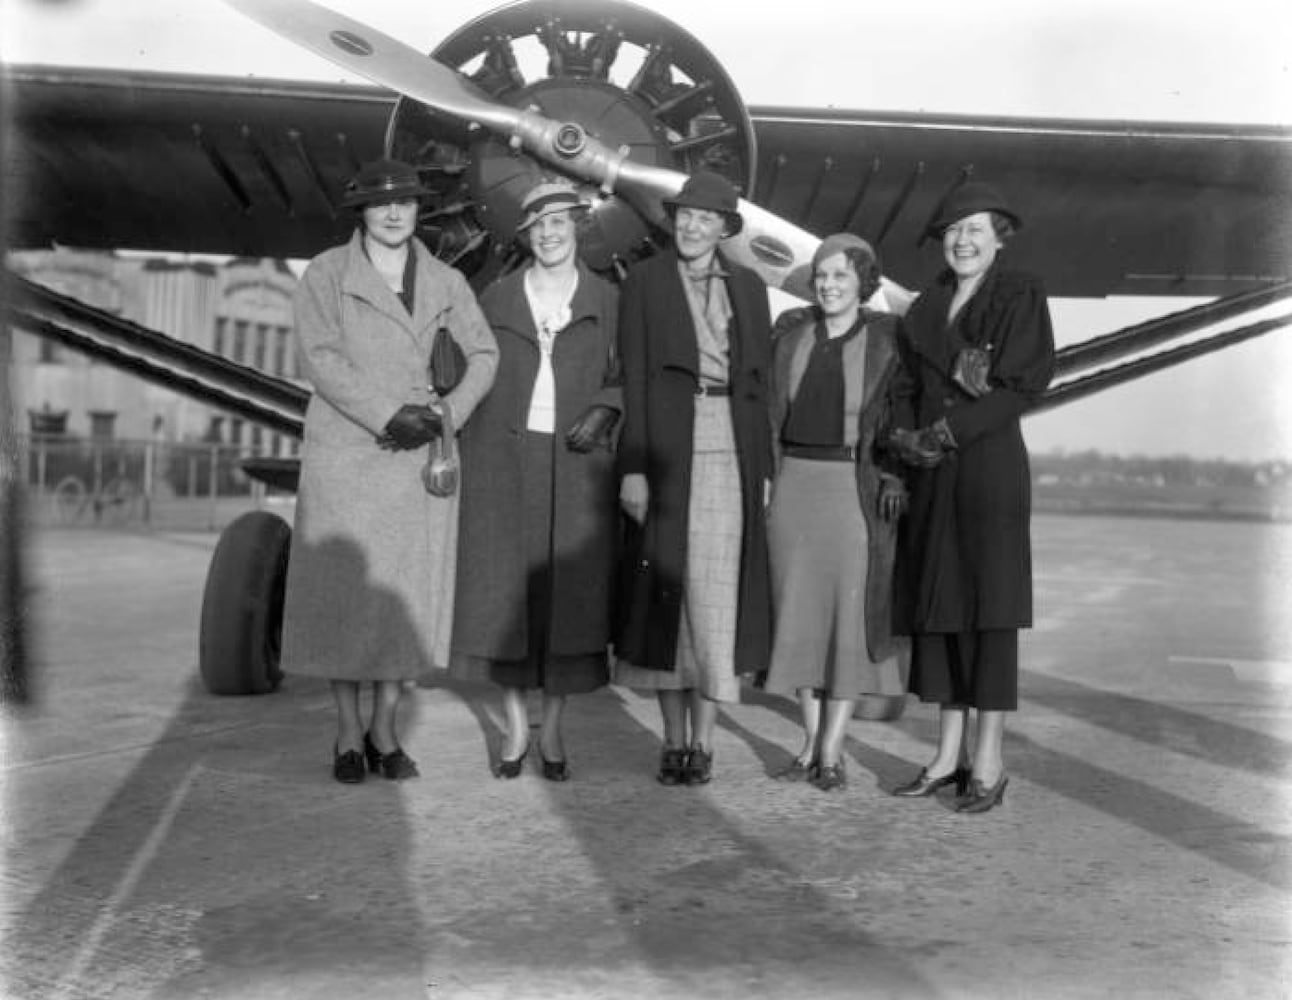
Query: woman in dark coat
[[370, 580], [977, 347], [695, 456], [540, 521], [832, 525]]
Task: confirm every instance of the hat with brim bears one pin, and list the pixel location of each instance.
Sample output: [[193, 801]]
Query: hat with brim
[[711, 192], [381, 181], [549, 198], [969, 199]]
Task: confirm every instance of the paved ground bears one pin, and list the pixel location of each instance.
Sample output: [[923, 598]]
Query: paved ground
[[164, 843]]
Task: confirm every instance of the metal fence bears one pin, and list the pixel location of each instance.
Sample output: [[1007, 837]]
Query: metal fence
[[86, 483]]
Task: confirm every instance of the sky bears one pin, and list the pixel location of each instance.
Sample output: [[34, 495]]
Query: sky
[[1171, 60]]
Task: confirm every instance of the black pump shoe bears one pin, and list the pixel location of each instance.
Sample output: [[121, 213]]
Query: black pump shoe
[[395, 765], [924, 785], [981, 798], [555, 770], [511, 768], [347, 767]]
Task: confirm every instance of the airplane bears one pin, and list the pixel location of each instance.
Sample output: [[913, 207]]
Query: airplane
[[625, 102]]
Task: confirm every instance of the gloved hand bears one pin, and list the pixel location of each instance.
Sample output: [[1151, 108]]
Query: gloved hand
[[915, 448], [592, 428], [411, 427], [893, 499]]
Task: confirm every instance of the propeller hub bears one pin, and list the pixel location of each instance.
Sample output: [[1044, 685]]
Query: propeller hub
[[570, 139]]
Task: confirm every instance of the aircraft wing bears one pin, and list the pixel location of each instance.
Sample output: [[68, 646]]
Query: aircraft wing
[[195, 164], [1110, 207], [253, 167]]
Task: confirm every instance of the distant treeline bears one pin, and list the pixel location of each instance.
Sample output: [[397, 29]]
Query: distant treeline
[[1091, 467]]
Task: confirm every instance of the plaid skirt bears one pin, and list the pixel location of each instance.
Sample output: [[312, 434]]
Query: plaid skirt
[[706, 640]]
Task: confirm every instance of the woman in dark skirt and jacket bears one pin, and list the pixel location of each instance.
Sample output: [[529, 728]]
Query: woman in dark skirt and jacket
[[540, 521], [977, 348]]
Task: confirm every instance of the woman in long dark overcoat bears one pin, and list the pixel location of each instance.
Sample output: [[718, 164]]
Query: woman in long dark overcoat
[[695, 456], [370, 579], [978, 347], [540, 518], [832, 524]]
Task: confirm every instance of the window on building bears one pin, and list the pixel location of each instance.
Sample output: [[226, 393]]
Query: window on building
[[218, 345], [262, 346], [235, 431], [215, 430], [239, 340], [257, 438], [103, 425], [280, 350], [49, 352]]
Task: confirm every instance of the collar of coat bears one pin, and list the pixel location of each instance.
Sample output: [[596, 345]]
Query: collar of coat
[[507, 307], [926, 322], [362, 281], [796, 333]]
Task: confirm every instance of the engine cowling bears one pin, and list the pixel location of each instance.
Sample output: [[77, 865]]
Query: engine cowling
[[627, 76]]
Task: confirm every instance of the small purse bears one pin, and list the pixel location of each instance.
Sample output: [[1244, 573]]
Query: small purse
[[970, 371], [448, 362]]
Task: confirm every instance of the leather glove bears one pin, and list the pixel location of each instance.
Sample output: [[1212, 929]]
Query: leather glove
[[893, 499], [915, 448], [592, 428], [411, 427]]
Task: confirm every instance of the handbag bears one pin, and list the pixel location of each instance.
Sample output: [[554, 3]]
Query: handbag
[[440, 474], [448, 362]]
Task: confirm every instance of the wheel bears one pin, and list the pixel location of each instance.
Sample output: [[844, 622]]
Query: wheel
[[242, 606], [68, 500], [118, 503]]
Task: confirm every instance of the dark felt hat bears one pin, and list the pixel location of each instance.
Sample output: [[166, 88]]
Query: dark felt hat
[[968, 198], [709, 191], [382, 181]]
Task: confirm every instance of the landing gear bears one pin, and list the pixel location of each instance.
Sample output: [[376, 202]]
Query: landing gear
[[242, 607]]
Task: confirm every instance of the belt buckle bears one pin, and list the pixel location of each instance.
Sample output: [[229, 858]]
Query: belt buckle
[[701, 390]]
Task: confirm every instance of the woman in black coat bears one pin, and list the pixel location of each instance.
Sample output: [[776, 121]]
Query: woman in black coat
[[540, 522], [977, 349], [695, 456]]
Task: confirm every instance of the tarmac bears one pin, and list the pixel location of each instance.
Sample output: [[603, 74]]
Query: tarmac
[[161, 842]]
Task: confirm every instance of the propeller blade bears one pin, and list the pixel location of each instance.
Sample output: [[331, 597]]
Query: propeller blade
[[778, 250]]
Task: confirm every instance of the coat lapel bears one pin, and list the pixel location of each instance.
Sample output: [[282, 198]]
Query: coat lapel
[[362, 281]]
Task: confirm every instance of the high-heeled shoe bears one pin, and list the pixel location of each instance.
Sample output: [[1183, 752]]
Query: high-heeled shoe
[[981, 798], [554, 770], [925, 785], [511, 768], [831, 776], [395, 766], [797, 770], [347, 767]]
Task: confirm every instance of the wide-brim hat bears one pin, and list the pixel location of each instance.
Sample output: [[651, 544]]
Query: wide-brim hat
[[382, 181], [709, 191], [968, 199], [548, 198]]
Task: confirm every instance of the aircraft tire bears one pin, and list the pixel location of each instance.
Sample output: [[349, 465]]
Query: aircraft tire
[[242, 606]]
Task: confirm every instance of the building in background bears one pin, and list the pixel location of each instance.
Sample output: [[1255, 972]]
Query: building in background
[[240, 309]]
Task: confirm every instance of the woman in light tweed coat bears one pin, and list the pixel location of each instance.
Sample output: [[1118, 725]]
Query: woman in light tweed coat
[[371, 572]]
